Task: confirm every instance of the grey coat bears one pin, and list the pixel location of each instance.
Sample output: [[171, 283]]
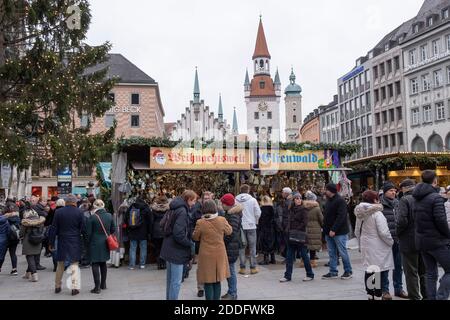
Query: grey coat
[[28, 248]]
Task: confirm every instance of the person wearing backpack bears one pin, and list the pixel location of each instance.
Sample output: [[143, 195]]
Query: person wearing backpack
[[137, 220], [177, 243], [32, 232], [12, 215]]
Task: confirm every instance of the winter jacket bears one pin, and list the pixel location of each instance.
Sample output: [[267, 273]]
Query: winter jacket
[[315, 223], [13, 219], [142, 231], [212, 257], [266, 230], [234, 219], [96, 238], [405, 223], [4, 231], [176, 247], [251, 211], [390, 212], [283, 213], [158, 211], [298, 219], [27, 223], [335, 217], [432, 230], [68, 225], [39, 208], [375, 239], [447, 211]]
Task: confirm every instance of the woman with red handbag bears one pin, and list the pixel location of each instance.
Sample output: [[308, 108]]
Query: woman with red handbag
[[101, 239]]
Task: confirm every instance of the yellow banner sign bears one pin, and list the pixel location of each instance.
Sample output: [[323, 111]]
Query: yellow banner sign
[[193, 159], [287, 160]]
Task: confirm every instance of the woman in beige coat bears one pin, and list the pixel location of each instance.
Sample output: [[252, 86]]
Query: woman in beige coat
[[314, 227], [212, 257]]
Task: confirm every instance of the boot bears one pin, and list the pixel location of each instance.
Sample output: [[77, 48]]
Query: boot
[[34, 277], [265, 261], [27, 276], [272, 258]]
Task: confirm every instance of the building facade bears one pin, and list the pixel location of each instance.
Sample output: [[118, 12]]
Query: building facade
[[329, 122], [426, 56], [262, 95], [199, 123], [293, 107], [309, 131]]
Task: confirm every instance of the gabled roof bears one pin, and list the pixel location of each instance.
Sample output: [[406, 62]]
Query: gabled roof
[[261, 49], [119, 66]]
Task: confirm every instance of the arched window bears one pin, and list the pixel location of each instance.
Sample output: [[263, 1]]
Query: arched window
[[294, 118], [418, 145], [435, 143], [261, 63]]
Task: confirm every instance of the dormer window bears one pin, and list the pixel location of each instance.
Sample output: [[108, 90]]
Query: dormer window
[[416, 28], [430, 21], [445, 13], [386, 47]]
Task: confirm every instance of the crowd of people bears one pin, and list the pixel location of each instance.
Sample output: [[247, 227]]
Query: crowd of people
[[405, 230]]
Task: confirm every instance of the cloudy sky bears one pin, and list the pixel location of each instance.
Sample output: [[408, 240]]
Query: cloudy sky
[[168, 39]]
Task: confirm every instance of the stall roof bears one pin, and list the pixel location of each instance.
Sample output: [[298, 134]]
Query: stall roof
[[394, 154]]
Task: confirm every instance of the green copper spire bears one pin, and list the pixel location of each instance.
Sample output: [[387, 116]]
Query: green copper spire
[[235, 124], [196, 88], [220, 109]]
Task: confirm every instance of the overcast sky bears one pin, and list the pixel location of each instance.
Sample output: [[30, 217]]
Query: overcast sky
[[168, 39]]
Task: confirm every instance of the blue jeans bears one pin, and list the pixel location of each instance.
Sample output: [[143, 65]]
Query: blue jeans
[[232, 281], [173, 283], [338, 243], [397, 275], [290, 259], [142, 252], [384, 281], [431, 258]]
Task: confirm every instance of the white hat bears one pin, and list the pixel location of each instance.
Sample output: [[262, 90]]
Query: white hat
[[287, 190]]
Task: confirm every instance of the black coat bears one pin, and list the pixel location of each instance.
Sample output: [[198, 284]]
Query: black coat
[[405, 223], [142, 231], [158, 211], [13, 219], [432, 230], [283, 211], [298, 218], [389, 212], [234, 219], [336, 215], [68, 225], [266, 230], [176, 247]]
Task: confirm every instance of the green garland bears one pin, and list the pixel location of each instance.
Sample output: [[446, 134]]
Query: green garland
[[105, 191], [402, 161], [343, 149]]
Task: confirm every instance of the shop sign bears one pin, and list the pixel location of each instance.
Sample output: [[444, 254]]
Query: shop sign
[[126, 109], [287, 160]]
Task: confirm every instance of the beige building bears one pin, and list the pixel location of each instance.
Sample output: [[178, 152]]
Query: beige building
[[137, 109], [310, 128]]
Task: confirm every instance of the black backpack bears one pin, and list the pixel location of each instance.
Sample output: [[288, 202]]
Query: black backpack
[[36, 235], [167, 222], [14, 233]]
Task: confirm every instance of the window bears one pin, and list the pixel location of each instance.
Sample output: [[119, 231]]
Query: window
[[384, 117], [445, 13], [430, 21], [378, 142], [377, 96], [391, 90], [257, 130], [84, 120], [294, 118], [382, 70], [440, 111], [269, 130], [399, 113], [109, 120], [412, 57], [398, 88], [435, 45], [415, 116], [448, 42], [386, 141], [427, 114], [135, 121], [135, 98], [397, 63], [414, 86], [377, 119], [367, 75], [448, 75], [391, 115], [426, 84], [415, 28], [368, 100], [269, 115], [383, 93], [389, 66], [256, 115], [341, 90], [262, 84], [423, 52], [375, 72], [400, 138], [111, 97], [437, 78], [393, 140]]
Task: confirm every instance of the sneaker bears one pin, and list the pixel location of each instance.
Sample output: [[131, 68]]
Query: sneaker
[[75, 292], [254, 271], [307, 279], [284, 279], [329, 276], [347, 275], [386, 296], [228, 297], [402, 294], [200, 293], [14, 272], [142, 267], [242, 271], [130, 268]]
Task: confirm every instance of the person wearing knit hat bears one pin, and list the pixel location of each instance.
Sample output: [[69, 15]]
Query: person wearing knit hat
[[314, 227], [266, 230], [310, 196], [233, 215], [158, 210], [213, 266], [99, 226], [407, 183], [331, 187], [387, 186]]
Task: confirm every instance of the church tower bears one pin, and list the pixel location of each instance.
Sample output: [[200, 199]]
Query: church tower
[[262, 94], [293, 105]]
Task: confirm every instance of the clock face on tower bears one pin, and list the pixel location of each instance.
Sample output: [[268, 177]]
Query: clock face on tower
[[262, 106]]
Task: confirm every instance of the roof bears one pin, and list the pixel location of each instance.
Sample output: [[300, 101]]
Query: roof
[[261, 49], [119, 66], [268, 90], [292, 88]]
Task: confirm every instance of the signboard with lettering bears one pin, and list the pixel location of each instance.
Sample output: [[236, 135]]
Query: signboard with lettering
[[287, 160], [126, 109], [64, 181], [5, 174]]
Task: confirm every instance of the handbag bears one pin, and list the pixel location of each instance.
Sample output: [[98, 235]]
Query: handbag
[[111, 240], [297, 237]]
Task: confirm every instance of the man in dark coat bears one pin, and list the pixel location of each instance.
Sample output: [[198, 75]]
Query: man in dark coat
[[432, 234], [68, 224], [335, 227], [138, 234], [390, 206], [411, 258]]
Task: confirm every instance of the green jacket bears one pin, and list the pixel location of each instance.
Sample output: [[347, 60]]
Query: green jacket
[[98, 249]]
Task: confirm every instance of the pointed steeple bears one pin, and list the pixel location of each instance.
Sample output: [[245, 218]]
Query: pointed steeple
[[277, 78], [220, 109], [247, 79], [261, 49], [196, 88], [292, 76], [235, 124]]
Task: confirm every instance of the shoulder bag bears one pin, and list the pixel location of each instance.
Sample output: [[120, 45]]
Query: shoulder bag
[[111, 240]]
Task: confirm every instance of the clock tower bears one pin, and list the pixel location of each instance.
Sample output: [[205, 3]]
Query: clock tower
[[262, 95]]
